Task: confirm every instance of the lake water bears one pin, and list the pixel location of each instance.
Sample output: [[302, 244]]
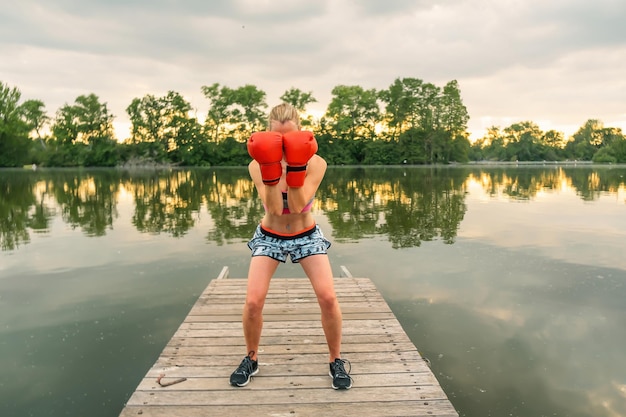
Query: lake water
[[511, 280]]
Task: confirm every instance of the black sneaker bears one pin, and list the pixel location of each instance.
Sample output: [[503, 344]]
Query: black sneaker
[[341, 378], [244, 372]]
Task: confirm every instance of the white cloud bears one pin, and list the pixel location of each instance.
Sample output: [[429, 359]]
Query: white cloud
[[556, 63]]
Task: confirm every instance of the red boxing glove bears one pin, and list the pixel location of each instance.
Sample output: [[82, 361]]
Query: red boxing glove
[[299, 147], [267, 149]]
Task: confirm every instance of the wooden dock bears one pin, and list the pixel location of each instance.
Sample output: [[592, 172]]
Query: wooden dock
[[390, 377]]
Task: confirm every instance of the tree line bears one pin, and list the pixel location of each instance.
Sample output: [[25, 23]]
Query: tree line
[[410, 122]]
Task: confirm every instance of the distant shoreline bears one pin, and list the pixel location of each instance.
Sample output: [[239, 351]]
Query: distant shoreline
[[148, 166], [533, 163]]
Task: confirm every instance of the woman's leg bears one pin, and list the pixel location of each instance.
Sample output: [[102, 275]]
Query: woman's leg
[[317, 268], [259, 276]]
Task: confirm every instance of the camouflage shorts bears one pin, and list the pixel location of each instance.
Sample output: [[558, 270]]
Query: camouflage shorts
[[299, 246]]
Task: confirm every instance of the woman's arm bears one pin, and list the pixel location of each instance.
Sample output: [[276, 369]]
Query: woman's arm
[[271, 195], [299, 197]]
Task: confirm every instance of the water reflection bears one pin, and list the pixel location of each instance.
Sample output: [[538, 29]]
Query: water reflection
[[407, 205], [520, 334], [510, 280], [525, 184]]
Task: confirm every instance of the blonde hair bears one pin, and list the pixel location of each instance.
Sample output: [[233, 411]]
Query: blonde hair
[[283, 113]]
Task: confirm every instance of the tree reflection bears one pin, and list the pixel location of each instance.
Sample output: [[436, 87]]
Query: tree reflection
[[408, 205], [433, 206], [87, 200], [16, 199], [233, 205], [524, 183], [516, 184], [165, 201], [348, 198], [590, 184]]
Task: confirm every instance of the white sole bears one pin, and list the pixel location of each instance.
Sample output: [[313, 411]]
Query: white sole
[[248, 381]]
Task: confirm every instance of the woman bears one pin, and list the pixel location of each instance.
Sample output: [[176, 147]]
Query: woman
[[287, 173]]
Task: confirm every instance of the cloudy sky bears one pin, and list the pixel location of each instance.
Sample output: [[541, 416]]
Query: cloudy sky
[[557, 63]]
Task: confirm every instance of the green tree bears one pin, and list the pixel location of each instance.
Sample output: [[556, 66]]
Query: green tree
[[618, 148], [220, 99], [427, 114], [401, 105], [249, 113], [178, 127], [14, 130], [615, 149], [33, 113], [83, 134], [554, 139], [353, 113], [411, 146], [588, 140], [300, 100], [460, 149], [553, 143], [429, 121], [234, 112], [163, 130], [193, 147], [144, 114], [83, 121], [453, 115], [65, 127], [523, 141], [492, 146]]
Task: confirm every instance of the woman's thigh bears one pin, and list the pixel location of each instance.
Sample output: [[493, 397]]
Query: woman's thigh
[[259, 276]]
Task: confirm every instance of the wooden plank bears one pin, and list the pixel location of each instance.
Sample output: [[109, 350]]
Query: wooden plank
[[291, 306], [284, 395], [346, 348], [345, 272], [410, 359], [434, 408], [289, 339], [224, 273], [390, 376], [283, 317], [364, 326], [223, 367], [207, 329], [279, 374]]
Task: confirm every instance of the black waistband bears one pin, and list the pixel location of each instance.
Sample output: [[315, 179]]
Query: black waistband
[[304, 233]]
